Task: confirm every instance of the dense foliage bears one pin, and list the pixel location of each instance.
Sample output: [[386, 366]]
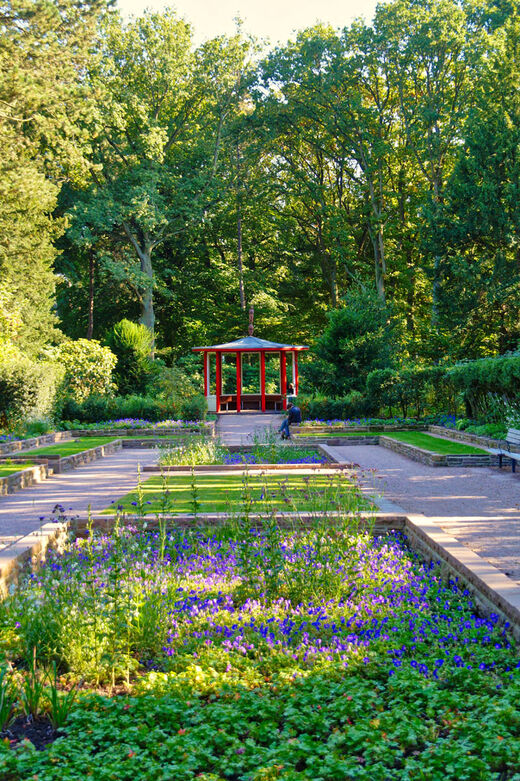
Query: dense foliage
[[264, 656], [192, 182]]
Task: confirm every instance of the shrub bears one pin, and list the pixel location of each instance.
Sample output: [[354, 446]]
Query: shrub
[[354, 405], [175, 387], [356, 341], [132, 345], [88, 367], [99, 408], [490, 385], [194, 408], [413, 389], [28, 389]]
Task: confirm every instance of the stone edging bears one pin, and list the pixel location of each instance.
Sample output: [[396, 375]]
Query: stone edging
[[25, 477], [205, 428], [437, 459], [64, 464], [492, 590], [29, 550], [28, 444], [244, 467], [473, 439]]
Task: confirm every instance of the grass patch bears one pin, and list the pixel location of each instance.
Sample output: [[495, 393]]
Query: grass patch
[[434, 444], [178, 494], [7, 468], [71, 448]]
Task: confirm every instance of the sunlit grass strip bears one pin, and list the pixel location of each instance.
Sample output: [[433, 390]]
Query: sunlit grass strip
[[9, 469], [70, 448], [225, 493], [435, 444]]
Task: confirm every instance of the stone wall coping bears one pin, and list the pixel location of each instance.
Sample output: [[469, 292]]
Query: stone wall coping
[[18, 445], [24, 478]]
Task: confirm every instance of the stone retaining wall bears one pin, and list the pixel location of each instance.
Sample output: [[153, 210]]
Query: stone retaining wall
[[206, 428], [339, 441], [67, 463], [472, 439], [28, 444], [24, 478], [437, 459], [334, 429]]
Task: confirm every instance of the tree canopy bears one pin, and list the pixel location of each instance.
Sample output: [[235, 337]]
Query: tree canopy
[[148, 179]]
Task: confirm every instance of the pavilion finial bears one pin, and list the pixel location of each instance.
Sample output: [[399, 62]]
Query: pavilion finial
[[251, 321]]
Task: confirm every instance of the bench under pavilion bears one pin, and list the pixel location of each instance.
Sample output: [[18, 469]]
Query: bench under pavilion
[[241, 349]]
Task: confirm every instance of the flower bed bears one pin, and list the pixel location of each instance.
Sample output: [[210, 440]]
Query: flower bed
[[212, 452], [266, 656], [136, 423]]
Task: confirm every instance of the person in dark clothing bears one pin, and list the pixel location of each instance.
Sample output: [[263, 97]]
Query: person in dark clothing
[[293, 416]]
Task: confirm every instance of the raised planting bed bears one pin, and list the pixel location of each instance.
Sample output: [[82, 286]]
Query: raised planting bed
[[204, 455], [465, 436], [437, 452], [74, 453], [264, 657], [354, 430], [227, 492], [143, 428], [15, 475], [16, 445]]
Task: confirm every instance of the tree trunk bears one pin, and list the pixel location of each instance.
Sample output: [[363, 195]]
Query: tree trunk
[[239, 237], [147, 310], [90, 328]]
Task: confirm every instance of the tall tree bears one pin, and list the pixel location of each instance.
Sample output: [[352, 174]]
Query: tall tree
[[164, 110], [43, 49]]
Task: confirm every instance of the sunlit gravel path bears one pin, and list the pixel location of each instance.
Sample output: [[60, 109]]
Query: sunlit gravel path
[[478, 506], [95, 484]]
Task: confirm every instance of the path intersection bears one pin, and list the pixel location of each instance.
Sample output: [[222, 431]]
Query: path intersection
[[478, 506]]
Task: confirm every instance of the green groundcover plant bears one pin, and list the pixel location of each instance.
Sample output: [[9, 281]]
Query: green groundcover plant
[[254, 653]]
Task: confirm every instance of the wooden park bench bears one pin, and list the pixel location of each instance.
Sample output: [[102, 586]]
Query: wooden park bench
[[512, 438]]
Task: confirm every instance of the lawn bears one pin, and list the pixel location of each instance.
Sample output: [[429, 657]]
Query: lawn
[[435, 444], [72, 447], [263, 656], [7, 469], [225, 493], [417, 438]]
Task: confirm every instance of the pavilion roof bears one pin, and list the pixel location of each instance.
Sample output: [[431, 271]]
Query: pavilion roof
[[252, 343]]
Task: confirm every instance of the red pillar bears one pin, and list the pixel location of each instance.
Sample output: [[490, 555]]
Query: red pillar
[[262, 378], [295, 373], [218, 389], [206, 378], [239, 380], [283, 378]]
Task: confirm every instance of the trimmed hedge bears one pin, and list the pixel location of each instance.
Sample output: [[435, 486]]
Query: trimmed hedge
[[355, 405], [97, 408]]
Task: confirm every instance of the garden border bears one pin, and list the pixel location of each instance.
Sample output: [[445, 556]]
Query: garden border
[[205, 428], [24, 478], [66, 463], [18, 445]]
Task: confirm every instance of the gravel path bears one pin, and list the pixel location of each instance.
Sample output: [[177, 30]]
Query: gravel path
[[95, 484], [478, 506], [240, 429]]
